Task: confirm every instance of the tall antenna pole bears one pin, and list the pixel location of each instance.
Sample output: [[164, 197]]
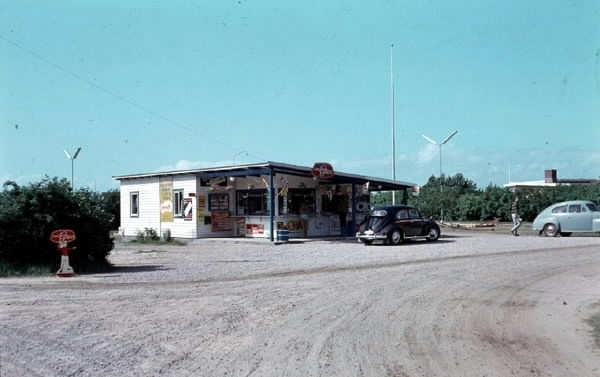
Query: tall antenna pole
[[393, 121]]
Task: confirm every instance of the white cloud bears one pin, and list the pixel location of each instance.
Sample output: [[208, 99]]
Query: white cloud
[[185, 165], [22, 180], [427, 153], [591, 158], [360, 165]]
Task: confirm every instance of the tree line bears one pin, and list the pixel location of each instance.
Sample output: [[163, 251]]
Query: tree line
[[457, 198], [28, 215]]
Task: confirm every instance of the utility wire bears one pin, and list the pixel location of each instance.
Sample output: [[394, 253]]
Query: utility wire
[[113, 94]]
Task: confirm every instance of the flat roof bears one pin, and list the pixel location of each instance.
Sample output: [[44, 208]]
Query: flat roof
[[375, 183]]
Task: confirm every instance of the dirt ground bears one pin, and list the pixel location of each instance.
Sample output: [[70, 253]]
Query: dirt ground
[[475, 303]]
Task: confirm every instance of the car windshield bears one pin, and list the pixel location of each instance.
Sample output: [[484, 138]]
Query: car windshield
[[592, 206]]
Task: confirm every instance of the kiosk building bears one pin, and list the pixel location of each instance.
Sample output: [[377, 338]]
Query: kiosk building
[[252, 200]]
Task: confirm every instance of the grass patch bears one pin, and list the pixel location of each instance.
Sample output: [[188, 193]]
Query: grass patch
[[150, 251], [15, 270], [158, 242]]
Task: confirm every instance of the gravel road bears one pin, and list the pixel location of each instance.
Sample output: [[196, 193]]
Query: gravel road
[[472, 304]]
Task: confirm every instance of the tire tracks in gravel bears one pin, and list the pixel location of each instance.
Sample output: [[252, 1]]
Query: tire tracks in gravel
[[465, 315], [89, 284]]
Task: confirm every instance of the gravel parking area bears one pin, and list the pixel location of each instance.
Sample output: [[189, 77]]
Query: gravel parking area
[[474, 303]]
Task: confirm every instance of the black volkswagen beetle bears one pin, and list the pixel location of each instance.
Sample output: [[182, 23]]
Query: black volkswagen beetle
[[394, 224]]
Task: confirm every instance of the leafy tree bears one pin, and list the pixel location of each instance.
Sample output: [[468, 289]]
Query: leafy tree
[[460, 199], [439, 196], [470, 206], [29, 214], [496, 203], [110, 202], [384, 198]]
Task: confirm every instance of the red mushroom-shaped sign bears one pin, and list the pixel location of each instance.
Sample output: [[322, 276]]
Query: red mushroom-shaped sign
[[61, 237]]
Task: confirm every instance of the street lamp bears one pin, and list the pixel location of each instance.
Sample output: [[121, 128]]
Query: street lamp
[[72, 158], [237, 154], [440, 146]]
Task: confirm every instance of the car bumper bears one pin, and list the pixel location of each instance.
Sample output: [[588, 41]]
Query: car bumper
[[371, 236]]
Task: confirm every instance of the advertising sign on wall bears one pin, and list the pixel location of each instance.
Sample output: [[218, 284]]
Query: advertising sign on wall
[[255, 229], [187, 209], [166, 200], [221, 221]]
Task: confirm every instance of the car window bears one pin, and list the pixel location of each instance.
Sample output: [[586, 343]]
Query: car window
[[414, 214], [591, 206], [402, 214], [379, 213], [560, 209], [575, 208]]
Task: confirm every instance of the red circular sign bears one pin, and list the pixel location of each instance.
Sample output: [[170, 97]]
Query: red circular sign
[[62, 235], [322, 170]]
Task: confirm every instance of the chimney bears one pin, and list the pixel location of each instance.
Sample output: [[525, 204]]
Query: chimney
[[550, 176]]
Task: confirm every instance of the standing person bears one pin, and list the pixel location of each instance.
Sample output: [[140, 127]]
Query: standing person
[[515, 212]]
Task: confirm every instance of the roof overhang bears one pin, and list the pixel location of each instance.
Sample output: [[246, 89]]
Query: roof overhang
[[269, 167]]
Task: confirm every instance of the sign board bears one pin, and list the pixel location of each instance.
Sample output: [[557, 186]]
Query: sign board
[[322, 170], [62, 235], [187, 209], [255, 229], [221, 221]]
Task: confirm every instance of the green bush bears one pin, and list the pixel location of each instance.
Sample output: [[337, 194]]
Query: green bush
[[166, 236], [29, 214], [149, 234]]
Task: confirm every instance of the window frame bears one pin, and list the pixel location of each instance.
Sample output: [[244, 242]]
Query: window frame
[[560, 209], [218, 202], [178, 204], [294, 199], [136, 195], [242, 206]]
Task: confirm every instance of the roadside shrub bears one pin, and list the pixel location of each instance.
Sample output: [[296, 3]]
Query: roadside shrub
[[29, 214], [166, 236], [149, 234]]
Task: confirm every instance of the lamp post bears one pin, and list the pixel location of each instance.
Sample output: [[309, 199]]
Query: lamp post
[[393, 120], [440, 146], [72, 158], [237, 154]]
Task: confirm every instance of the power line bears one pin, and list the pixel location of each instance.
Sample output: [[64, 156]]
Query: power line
[[113, 94]]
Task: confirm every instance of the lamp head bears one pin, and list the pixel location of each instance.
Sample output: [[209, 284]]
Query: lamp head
[[450, 137], [76, 153]]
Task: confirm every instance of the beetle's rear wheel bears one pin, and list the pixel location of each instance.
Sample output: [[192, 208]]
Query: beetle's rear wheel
[[395, 237]]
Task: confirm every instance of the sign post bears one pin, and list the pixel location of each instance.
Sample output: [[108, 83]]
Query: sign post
[[61, 237]]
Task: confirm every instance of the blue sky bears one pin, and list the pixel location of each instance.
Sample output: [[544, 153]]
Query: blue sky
[[146, 86]]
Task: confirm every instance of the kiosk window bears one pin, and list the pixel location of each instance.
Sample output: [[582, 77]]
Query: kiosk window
[[252, 202], [218, 202], [134, 200], [299, 202], [178, 203]]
